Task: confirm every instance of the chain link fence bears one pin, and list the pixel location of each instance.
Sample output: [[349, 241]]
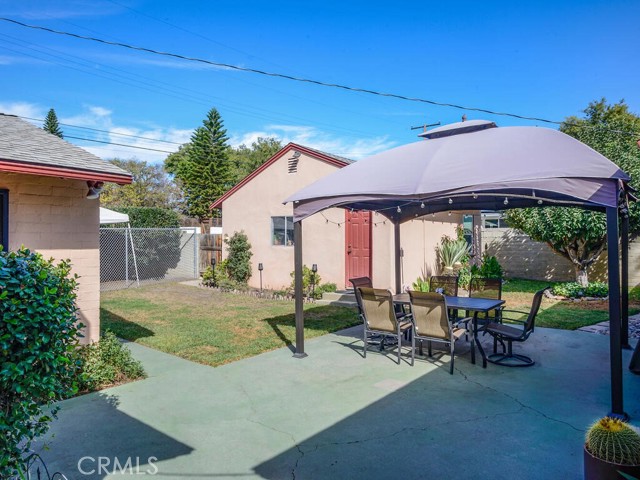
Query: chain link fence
[[139, 256]]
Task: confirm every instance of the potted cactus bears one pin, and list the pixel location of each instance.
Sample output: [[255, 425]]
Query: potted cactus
[[612, 447]]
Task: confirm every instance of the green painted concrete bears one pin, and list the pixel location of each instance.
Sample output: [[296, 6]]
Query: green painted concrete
[[335, 415]]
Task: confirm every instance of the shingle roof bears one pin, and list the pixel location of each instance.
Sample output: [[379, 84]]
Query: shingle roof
[[337, 157], [26, 144]]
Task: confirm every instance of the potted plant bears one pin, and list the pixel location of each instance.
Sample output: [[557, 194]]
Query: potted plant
[[611, 447]]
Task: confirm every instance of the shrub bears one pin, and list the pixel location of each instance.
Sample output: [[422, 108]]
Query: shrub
[[575, 290], [420, 285], [38, 336], [309, 278], [150, 217], [324, 288], [239, 257], [106, 363], [490, 267]]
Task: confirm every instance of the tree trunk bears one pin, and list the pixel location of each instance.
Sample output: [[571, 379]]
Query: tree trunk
[[582, 277]]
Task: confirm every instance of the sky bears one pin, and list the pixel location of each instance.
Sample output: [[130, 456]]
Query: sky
[[545, 59]]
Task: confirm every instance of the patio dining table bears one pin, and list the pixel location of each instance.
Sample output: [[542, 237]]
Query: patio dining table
[[471, 304]]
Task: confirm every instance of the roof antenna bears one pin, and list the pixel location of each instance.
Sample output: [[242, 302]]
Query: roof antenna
[[464, 117]]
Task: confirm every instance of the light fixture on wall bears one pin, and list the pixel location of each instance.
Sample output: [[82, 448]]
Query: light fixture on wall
[[95, 189]]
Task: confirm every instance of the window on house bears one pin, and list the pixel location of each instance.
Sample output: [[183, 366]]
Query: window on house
[[4, 219], [282, 231], [467, 224]]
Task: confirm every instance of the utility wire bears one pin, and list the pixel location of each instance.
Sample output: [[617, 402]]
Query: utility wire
[[301, 79], [103, 131], [118, 144]]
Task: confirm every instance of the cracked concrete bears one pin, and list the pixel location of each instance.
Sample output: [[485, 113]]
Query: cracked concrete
[[335, 415]]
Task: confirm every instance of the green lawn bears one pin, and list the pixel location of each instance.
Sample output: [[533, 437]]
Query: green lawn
[[557, 313], [211, 327]]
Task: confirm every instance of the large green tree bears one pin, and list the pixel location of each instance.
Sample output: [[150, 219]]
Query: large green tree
[[576, 234], [202, 168], [51, 124], [246, 159], [151, 187]]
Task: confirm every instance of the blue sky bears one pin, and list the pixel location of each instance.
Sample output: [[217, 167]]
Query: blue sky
[[545, 58]]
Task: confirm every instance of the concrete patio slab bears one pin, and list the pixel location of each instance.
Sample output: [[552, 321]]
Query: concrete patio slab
[[336, 415]]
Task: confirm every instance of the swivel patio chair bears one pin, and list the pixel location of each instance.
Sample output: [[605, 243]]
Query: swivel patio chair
[[502, 333], [431, 321], [380, 318], [483, 287]]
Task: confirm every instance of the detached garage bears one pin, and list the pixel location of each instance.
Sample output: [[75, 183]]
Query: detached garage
[[49, 202]]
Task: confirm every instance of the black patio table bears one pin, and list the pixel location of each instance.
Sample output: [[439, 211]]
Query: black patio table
[[471, 304]]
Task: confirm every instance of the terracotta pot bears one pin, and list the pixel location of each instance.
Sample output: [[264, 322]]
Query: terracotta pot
[[597, 469]]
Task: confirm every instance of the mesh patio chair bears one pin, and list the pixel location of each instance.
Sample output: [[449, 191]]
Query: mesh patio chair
[[482, 287], [502, 333], [445, 284], [380, 318], [360, 282], [431, 322]]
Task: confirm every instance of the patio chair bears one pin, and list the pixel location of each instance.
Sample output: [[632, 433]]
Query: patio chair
[[360, 282], [502, 333], [483, 287], [380, 318], [431, 321], [445, 284]]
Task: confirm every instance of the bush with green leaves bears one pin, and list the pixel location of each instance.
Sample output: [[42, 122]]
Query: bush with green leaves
[[324, 288], [151, 217], [452, 254], [106, 363], [239, 257], [575, 290], [39, 333], [309, 279], [421, 284], [490, 268]]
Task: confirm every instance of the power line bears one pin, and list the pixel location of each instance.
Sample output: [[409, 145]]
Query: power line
[[303, 80], [118, 144], [104, 131]]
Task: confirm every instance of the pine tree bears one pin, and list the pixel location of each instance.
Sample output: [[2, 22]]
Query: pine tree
[[51, 124], [203, 169]]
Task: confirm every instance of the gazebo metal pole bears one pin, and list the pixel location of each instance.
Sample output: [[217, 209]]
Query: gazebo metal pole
[[398, 265], [615, 348], [624, 255], [297, 261]]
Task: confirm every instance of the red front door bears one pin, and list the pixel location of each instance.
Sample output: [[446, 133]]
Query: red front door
[[357, 245]]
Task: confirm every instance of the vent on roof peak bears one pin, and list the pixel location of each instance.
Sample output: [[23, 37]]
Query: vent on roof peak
[[458, 128], [293, 162]]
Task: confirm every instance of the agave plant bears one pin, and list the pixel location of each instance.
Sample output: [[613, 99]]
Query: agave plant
[[452, 253]]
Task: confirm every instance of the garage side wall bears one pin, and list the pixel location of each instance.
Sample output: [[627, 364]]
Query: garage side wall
[[52, 216]]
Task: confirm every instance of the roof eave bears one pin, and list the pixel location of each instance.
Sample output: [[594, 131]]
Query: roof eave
[[11, 166]]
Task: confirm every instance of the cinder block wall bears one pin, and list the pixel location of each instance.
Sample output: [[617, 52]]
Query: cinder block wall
[[52, 216], [521, 257]]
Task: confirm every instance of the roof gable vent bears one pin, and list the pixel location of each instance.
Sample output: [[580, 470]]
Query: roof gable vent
[[293, 162]]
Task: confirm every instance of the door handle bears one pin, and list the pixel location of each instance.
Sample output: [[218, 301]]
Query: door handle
[[349, 249]]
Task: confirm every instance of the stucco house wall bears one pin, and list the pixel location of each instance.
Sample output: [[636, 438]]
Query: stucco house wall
[[250, 208], [52, 216]]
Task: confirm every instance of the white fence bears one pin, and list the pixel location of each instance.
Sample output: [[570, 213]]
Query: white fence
[[135, 256]]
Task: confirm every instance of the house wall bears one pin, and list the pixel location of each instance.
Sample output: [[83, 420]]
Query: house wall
[[52, 216], [418, 239], [251, 208]]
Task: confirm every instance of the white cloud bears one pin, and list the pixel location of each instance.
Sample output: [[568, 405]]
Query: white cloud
[[315, 138], [23, 109], [151, 148]]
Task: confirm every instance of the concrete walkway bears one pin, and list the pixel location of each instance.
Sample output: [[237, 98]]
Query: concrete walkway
[[335, 415]]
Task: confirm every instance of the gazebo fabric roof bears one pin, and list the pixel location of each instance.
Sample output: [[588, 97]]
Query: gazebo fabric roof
[[472, 170]]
